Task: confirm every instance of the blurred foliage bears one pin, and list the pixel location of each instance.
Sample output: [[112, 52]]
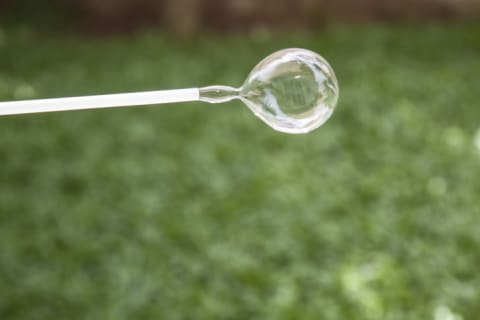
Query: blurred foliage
[[53, 14], [199, 211]]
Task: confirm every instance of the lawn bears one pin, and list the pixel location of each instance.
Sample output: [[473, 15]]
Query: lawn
[[196, 211]]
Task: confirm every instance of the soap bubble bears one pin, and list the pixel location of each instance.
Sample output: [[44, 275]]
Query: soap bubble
[[292, 90]]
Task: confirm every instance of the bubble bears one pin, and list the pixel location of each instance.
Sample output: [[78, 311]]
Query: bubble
[[292, 90]]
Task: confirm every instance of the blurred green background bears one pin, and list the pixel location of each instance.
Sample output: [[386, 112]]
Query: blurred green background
[[196, 211]]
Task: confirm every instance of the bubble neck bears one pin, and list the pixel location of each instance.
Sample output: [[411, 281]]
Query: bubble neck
[[218, 94]]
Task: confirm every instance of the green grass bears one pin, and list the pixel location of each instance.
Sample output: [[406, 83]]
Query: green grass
[[195, 211]]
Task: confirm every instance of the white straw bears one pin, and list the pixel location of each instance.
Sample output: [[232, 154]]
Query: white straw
[[99, 101]]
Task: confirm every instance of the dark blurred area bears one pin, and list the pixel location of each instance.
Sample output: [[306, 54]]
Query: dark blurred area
[[186, 17]]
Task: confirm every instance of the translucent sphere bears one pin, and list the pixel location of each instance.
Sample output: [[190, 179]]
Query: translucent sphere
[[292, 90]]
